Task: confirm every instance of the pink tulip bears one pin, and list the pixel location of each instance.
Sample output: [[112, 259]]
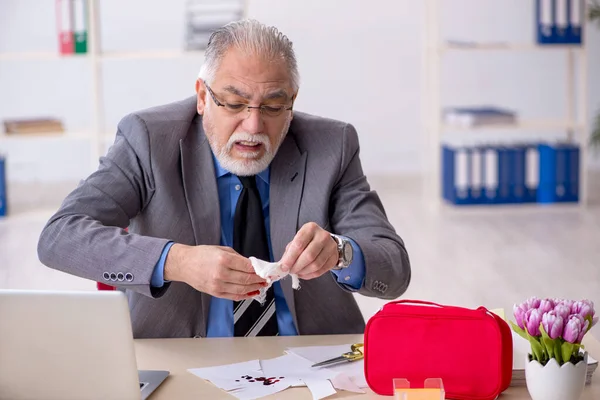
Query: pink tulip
[[593, 314], [588, 302], [583, 308], [532, 321], [584, 330], [563, 311], [532, 302], [553, 324], [568, 303], [519, 312], [573, 328], [546, 305]]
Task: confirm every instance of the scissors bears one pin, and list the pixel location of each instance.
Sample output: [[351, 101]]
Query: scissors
[[355, 354]]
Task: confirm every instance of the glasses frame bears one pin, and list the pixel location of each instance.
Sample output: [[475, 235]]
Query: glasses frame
[[248, 107]]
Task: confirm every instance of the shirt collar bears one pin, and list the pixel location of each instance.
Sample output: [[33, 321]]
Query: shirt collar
[[220, 171]]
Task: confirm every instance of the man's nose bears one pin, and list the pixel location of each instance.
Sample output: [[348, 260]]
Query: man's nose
[[253, 121]]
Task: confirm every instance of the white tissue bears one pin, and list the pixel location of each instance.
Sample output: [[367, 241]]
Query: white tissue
[[271, 272]]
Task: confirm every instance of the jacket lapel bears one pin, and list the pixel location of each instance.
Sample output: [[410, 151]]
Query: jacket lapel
[[286, 186], [201, 194]]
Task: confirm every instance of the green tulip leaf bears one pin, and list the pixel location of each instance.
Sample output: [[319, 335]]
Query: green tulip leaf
[[518, 330], [536, 348], [548, 342], [548, 348], [576, 348], [558, 351], [567, 351]]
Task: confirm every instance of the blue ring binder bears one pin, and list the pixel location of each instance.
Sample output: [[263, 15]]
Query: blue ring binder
[[503, 174], [3, 196], [548, 28]]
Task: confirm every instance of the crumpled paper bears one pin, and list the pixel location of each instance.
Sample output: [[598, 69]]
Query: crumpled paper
[[271, 272]]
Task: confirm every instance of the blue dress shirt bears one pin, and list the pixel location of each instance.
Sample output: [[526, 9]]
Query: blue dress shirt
[[220, 317]]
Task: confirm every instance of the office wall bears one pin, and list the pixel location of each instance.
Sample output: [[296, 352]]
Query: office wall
[[360, 61]]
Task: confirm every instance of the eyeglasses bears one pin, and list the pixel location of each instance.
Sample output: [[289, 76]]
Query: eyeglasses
[[237, 108]]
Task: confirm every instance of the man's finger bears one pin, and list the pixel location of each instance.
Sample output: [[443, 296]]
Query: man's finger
[[296, 247], [308, 256], [243, 278], [325, 260], [330, 262], [234, 297], [239, 263], [235, 289]]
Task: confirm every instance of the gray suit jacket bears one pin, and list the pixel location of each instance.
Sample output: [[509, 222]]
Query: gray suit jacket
[[158, 179]]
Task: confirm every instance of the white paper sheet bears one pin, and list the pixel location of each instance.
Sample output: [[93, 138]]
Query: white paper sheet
[[354, 370], [320, 388], [298, 370], [292, 365], [242, 380], [258, 391], [246, 380], [319, 353], [343, 382]]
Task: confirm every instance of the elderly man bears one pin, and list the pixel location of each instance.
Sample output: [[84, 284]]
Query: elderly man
[[233, 172]]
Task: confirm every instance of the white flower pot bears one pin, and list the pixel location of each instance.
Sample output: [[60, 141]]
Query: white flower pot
[[554, 382]]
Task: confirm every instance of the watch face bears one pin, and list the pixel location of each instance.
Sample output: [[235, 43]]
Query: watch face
[[348, 252]]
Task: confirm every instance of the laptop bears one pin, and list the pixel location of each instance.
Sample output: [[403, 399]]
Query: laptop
[[69, 345]]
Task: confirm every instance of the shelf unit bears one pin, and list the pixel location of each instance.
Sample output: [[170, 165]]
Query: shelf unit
[[534, 125], [575, 126], [114, 55], [98, 134]]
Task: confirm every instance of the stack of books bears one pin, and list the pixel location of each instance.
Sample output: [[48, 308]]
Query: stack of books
[[33, 126], [468, 117], [203, 17]]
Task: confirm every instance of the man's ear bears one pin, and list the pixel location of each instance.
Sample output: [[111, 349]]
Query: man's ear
[[201, 96]]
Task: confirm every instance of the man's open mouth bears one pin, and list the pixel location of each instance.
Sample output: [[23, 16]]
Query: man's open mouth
[[248, 145]]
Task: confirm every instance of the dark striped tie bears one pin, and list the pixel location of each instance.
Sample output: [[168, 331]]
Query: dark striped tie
[[250, 239]]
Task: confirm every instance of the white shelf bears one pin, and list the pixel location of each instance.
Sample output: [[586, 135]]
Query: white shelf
[[532, 125], [8, 138], [158, 54], [40, 56], [98, 137], [499, 46], [573, 122], [111, 55]]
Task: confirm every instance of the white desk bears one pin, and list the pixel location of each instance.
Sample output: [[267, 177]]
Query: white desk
[[178, 355]]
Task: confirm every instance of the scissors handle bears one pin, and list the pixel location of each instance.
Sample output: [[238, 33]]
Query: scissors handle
[[356, 352]]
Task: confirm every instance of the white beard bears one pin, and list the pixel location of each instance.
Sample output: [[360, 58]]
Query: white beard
[[251, 165]]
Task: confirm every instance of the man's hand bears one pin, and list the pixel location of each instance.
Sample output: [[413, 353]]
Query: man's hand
[[218, 271], [312, 252]]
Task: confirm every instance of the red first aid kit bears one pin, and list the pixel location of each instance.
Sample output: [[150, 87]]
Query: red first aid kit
[[471, 350]]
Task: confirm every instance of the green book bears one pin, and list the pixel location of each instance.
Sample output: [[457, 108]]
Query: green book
[[80, 25]]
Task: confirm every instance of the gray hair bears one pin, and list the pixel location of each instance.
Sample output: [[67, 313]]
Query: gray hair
[[252, 37]]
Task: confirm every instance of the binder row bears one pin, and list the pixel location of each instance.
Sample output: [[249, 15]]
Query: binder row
[[203, 17], [3, 199], [559, 21], [72, 24], [521, 173]]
